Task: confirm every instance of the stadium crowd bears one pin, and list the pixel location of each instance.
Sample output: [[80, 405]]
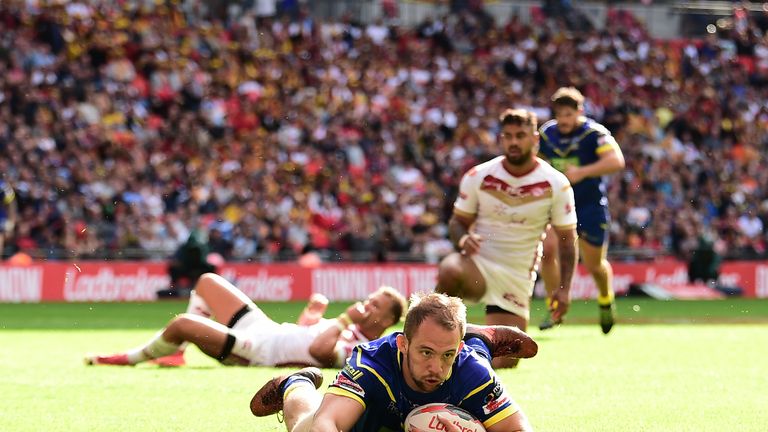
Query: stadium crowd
[[127, 125]]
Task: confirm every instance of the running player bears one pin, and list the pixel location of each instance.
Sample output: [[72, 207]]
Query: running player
[[499, 218], [584, 151]]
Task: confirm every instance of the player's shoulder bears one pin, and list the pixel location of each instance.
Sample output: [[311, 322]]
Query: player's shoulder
[[377, 354], [548, 126], [6, 192], [472, 370], [372, 365], [592, 126], [485, 167], [369, 372]]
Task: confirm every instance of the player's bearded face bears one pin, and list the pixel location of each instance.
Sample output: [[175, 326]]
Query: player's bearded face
[[519, 158], [428, 357], [518, 142], [425, 378]]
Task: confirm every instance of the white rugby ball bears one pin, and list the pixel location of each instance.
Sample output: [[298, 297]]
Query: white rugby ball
[[424, 418]]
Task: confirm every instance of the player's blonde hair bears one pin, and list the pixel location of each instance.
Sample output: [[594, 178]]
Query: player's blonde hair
[[448, 312], [519, 117], [399, 303], [569, 97]]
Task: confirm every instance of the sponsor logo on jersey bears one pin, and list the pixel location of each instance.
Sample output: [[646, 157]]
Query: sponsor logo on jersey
[[497, 391], [352, 372], [495, 399], [349, 385], [392, 408]]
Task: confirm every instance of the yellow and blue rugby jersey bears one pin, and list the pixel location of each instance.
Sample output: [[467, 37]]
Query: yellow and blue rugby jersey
[[581, 147], [373, 376]]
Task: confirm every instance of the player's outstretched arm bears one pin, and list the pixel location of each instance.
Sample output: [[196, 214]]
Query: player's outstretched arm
[[327, 348], [314, 310], [336, 413], [517, 422], [323, 348]]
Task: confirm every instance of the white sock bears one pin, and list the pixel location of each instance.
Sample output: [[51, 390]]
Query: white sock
[[198, 306], [156, 348], [183, 346]]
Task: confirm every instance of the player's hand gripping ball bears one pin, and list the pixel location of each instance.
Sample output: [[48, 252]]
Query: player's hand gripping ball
[[424, 419]]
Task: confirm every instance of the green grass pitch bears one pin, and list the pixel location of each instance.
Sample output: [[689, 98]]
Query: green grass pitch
[[668, 366]]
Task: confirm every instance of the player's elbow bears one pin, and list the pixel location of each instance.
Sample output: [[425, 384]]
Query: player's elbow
[[315, 350], [321, 422], [619, 162], [323, 354]]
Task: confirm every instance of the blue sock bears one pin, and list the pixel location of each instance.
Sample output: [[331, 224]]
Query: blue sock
[[294, 379], [479, 346]]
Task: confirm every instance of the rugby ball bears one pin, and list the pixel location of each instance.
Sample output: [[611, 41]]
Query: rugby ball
[[424, 418]]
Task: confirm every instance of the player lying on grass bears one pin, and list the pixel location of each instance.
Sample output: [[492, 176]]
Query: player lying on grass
[[437, 358], [226, 325]]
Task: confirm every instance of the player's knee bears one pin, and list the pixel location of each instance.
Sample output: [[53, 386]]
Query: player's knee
[[474, 289], [448, 286], [450, 267], [180, 324], [206, 281], [209, 285], [449, 276]]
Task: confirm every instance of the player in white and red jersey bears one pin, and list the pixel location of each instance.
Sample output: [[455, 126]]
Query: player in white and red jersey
[[499, 219], [225, 324]]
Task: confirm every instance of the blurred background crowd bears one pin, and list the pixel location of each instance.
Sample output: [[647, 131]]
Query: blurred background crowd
[[127, 126]]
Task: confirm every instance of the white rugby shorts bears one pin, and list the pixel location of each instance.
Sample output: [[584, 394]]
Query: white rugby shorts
[[505, 288]]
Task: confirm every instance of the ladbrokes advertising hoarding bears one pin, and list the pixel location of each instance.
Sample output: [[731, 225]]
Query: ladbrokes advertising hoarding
[[138, 281]]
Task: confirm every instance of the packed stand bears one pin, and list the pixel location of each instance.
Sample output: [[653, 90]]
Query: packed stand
[[126, 128]]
